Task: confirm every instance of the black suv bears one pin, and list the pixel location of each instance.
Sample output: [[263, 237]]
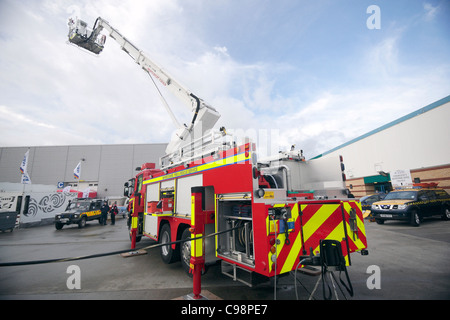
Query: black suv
[[412, 205], [78, 212]]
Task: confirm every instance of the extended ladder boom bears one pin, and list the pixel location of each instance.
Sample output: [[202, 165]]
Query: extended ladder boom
[[204, 115]]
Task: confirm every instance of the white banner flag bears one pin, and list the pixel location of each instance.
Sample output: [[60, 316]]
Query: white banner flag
[[77, 171], [23, 165], [25, 178]]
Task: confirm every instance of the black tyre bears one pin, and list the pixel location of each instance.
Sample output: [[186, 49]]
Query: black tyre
[[59, 225], [168, 254], [415, 218], [138, 237], [186, 251], [82, 223], [446, 213]]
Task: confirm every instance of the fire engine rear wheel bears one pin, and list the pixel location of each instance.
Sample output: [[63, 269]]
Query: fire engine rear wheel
[[168, 254]]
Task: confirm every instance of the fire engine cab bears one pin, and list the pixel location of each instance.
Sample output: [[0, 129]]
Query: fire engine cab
[[259, 217]]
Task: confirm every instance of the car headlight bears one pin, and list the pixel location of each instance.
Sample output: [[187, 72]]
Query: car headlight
[[402, 206], [374, 206]]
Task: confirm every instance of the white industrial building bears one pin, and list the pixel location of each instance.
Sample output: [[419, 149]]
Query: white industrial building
[[418, 143], [104, 168]]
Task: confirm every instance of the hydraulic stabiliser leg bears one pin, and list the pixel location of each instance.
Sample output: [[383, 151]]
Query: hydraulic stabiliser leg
[[134, 223], [197, 229]]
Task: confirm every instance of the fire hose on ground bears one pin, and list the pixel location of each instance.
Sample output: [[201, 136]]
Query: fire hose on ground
[[23, 263]]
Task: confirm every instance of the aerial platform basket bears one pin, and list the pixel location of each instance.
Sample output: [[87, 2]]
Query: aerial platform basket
[[84, 38]]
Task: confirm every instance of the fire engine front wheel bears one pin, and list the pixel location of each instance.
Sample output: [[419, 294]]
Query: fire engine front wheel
[[168, 254]]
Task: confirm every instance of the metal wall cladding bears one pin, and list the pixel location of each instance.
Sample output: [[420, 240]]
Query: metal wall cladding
[[108, 165]]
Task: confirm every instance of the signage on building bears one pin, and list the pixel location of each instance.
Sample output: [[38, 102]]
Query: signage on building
[[401, 178]]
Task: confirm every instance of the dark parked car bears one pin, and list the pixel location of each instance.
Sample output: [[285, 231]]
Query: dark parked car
[[366, 202], [78, 212], [412, 205]]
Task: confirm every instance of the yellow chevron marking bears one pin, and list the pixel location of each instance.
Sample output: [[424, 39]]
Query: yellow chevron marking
[[313, 224], [318, 219], [296, 245]]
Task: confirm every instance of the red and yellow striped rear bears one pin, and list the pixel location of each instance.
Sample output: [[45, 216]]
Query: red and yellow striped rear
[[314, 221]]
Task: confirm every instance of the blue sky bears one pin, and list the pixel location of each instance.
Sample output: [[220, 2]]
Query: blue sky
[[309, 73]]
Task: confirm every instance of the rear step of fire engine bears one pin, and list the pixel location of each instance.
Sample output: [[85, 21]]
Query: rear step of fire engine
[[245, 276]]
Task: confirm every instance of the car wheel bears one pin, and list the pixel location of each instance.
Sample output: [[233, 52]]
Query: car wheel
[[168, 254], [446, 214], [379, 221], [59, 225], [82, 223], [415, 218]]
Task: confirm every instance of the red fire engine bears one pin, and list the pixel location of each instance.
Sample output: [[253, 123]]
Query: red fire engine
[[265, 215]]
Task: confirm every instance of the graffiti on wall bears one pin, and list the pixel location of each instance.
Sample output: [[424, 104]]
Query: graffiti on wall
[[48, 203]]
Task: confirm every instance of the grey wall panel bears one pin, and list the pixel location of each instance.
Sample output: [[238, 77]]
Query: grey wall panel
[[10, 160], [147, 153], [116, 161], [47, 164], [109, 165], [89, 167]]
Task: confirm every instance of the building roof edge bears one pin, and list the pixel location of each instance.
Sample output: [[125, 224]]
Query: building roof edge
[[390, 124]]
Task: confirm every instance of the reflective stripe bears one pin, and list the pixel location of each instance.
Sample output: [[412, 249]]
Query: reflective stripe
[[197, 247], [192, 210], [233, 159]]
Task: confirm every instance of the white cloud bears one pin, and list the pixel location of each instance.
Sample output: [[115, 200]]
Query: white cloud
[[430, 11], [7, 115]]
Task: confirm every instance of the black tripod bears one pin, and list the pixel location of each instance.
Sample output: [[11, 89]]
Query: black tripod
[[329, 259]]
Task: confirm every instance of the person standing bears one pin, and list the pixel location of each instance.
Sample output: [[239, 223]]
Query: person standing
[[104, 209], [114, 211]]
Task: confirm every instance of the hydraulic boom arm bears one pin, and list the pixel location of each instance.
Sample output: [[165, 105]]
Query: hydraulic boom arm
[[204, 116]]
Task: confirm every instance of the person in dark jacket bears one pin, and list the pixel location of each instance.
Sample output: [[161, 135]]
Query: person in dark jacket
[[104, 209], [114, 211]]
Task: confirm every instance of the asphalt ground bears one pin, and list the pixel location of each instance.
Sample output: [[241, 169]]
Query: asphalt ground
[[404, 263]]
